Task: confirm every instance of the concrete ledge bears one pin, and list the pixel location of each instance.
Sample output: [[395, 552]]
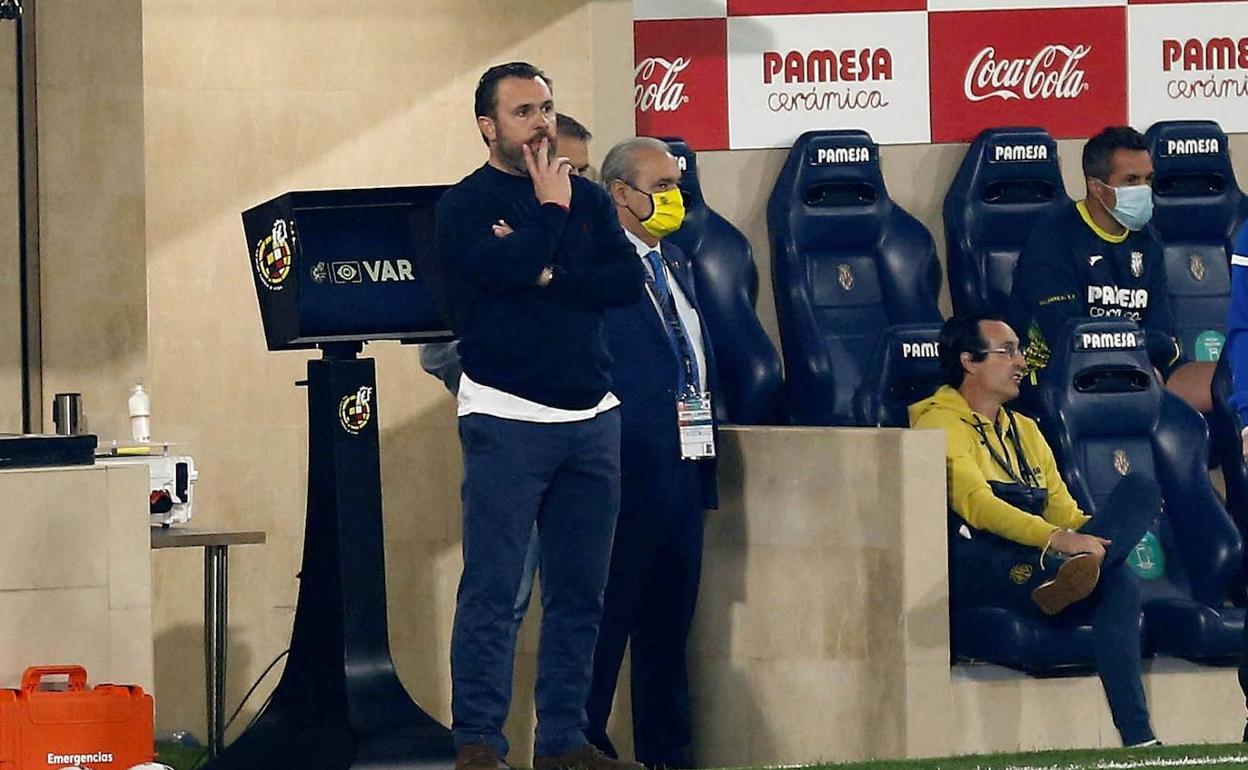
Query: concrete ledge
[[75, 572], [822, 630]]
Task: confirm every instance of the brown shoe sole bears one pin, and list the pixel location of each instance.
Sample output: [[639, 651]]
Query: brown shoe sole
[[584, 758], [1074, 581]]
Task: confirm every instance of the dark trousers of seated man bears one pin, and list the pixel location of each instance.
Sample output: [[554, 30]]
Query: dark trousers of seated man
[[565, 477], [989, 571], [656, 563]]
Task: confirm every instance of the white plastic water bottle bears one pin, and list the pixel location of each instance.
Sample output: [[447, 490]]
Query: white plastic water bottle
[[140, 414]]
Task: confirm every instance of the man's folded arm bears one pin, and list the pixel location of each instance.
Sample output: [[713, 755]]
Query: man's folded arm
[[614, 278], [510, 263]]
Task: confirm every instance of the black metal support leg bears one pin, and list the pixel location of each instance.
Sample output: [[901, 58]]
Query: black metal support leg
[[216, 588], [339, 703]]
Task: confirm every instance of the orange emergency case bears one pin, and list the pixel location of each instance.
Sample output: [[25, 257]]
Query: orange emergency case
[[108, 727]]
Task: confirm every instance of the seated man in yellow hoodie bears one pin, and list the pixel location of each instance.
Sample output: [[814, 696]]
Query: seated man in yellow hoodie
[[1017, 539]]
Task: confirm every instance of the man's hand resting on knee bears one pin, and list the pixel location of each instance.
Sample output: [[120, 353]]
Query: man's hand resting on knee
[[1068, 542]]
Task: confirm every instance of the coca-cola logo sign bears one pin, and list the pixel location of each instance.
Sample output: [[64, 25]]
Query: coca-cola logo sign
[[1051, 73], [1062, 68], [680, 82], [657, 86]]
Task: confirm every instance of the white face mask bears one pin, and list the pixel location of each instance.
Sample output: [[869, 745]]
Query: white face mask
[[1133, 206]]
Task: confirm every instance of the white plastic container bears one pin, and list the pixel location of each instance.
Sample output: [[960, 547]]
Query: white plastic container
[[140, 414]]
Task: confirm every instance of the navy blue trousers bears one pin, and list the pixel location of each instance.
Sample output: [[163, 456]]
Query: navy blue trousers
[[986, 573], [656, 564], [566, 478]]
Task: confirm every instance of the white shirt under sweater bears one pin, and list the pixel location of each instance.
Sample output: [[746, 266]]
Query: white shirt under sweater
[[475, 398]]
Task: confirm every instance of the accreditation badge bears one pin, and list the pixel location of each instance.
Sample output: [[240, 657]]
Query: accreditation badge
[[693, 418]]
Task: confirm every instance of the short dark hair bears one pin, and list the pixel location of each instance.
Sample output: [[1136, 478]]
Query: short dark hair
[[961, 334], [566, 125], [1098, 153], [486, 97]]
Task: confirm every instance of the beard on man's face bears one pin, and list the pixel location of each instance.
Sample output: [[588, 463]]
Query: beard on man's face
[[512, 155]]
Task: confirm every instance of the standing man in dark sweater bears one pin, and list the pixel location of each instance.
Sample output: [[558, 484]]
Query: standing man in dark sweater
[[532, 258], [1098, 258]]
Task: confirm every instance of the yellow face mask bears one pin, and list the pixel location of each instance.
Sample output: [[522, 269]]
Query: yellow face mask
[[667, 212]]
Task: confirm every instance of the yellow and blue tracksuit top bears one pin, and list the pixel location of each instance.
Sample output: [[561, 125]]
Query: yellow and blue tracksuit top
[[971, 466]]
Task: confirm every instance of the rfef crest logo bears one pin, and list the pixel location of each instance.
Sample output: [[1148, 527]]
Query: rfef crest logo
[[356, 409], [1062, 68], [274, 256]]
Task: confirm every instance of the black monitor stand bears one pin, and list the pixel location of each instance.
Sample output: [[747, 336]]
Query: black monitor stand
[[339, 703]]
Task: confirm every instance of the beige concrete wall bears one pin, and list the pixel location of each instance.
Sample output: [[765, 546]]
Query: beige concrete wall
[[93, 290], [152, 146], [75, 575], [10, 296], [822, 629], [290, 95], [917, 177], [998, 710]]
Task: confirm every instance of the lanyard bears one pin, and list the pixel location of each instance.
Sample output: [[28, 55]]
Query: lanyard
[[656, 282], [1028, 478]]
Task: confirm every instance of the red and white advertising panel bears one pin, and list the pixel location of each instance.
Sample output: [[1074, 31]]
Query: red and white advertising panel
[[997, 5], [1189, 61], [683, 9], [789, 74], [680, 81], [1178, 2], [739, 74], [784, 7], [1063, 69]]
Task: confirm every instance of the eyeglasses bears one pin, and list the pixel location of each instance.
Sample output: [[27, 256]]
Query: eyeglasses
[[1009, 350]]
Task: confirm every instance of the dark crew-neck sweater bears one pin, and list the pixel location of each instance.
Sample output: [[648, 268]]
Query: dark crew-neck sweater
[[544, 344]]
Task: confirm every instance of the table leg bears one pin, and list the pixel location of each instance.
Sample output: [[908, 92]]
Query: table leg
[[216, 588]]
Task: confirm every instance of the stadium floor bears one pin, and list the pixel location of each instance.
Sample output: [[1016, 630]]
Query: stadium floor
[[1204, 757]]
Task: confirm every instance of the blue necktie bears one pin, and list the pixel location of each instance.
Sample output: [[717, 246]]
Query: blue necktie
[[660, 277], [672, 324]]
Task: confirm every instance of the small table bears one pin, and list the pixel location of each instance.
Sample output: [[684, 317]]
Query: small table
[[216, 544]]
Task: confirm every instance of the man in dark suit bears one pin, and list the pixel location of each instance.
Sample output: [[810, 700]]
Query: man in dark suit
[[664, 374]]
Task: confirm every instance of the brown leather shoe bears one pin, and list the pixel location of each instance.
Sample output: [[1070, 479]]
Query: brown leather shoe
[[586, 757], [1074, 581], [478, 756]]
